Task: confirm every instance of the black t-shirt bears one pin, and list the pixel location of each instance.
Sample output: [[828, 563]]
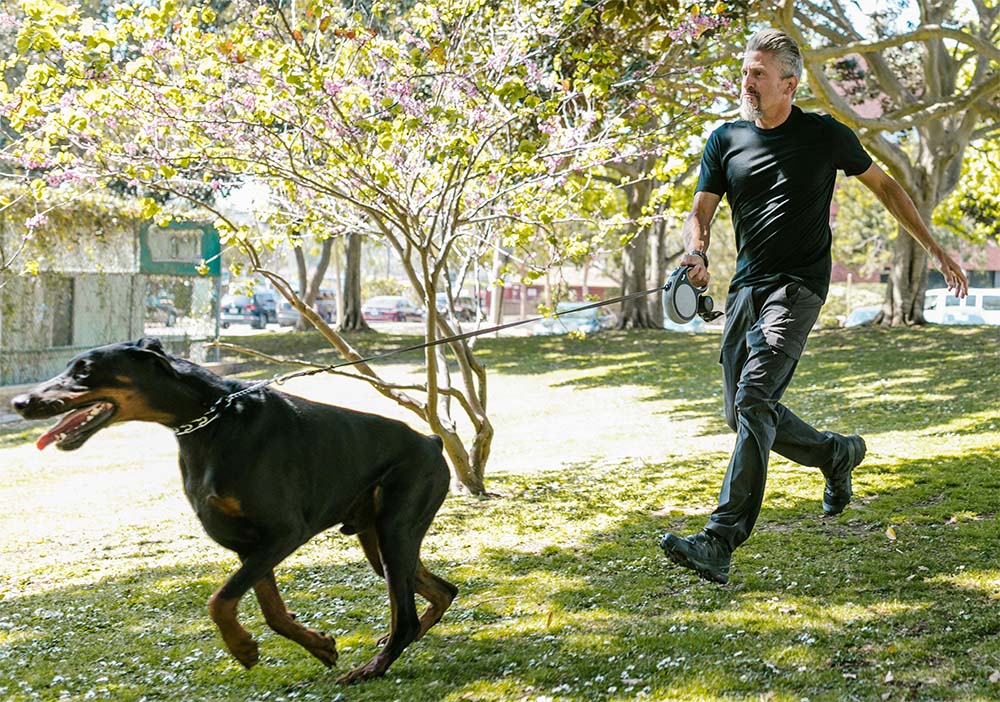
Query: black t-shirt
[[779, 183]]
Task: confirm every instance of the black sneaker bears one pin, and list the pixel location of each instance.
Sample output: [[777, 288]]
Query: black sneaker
[[838, 486], [703, 553]]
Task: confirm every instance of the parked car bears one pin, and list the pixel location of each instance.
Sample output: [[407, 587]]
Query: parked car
[[862, 315], [464, 306], [982, 304], [288, 316], [268, 302], [391, 308], [695, 326], [585, 321], [325, 306], [160, 308], [242, 309]]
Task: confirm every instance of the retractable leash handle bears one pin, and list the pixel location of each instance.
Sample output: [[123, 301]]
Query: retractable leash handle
[[682, 300]]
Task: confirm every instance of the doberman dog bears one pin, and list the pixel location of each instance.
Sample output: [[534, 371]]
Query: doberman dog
[[267, 473]]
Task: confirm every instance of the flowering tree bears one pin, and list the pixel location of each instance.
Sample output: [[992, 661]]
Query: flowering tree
[[435, 130]]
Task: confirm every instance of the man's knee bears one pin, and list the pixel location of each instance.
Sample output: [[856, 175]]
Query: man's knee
[[754, 409]]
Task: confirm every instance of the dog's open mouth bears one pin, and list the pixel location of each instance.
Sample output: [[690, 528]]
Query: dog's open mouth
[[77, 426]]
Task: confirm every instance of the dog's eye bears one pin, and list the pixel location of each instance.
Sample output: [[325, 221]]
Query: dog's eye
[[81, 368]]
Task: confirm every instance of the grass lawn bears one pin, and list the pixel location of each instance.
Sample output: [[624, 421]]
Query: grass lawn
[[602, 444]]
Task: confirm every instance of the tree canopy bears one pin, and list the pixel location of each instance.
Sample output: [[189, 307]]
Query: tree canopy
[[444, 128]]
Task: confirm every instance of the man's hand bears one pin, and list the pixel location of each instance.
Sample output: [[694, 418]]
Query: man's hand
[[698, 275], [954, 277]]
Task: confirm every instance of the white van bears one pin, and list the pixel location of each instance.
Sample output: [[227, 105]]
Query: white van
[[982, 306]]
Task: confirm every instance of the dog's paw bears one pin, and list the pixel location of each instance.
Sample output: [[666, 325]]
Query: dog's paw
[[245, 651], [326, 651], [374, 668]]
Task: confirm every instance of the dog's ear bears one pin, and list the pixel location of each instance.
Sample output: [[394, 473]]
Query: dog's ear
[[149, 343], [153, 349]]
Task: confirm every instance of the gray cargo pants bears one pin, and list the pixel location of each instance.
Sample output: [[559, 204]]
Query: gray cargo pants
[[765, 334]]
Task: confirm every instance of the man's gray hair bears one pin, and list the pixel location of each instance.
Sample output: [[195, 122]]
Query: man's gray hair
[[774, 41]]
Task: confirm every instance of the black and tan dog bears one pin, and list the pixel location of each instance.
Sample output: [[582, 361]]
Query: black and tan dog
[[267, 473]]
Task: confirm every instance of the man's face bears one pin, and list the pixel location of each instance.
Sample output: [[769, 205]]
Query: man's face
[[763, 90]]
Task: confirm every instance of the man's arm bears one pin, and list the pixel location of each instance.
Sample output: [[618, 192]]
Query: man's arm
[[891, 194], [697, 235]]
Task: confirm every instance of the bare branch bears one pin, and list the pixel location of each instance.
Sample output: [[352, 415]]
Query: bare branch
[[923, 33]]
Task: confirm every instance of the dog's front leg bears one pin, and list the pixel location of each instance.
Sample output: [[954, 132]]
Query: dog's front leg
[[222, 605], [222, 610], [283, 622]]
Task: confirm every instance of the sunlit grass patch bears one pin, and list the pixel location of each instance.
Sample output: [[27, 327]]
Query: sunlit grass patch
[[602, 445]]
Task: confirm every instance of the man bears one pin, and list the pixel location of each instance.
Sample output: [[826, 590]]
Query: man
[[777, 167]]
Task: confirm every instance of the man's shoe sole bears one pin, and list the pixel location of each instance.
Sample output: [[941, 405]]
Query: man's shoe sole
[[681, 559], [856, 452]]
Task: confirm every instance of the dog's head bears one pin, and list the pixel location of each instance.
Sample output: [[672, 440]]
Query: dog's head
[[115, 383]]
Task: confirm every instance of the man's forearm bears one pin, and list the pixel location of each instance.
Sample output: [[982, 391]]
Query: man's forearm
[[901, 207], [891, 194], [697, 234]]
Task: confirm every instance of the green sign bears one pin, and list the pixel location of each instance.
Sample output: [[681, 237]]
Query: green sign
[[180, 248]]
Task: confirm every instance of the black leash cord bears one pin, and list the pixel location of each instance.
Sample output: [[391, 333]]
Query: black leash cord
[[213, 412], [460, 337]]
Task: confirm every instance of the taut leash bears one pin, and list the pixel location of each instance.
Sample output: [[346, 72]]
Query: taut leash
[[215, 410]]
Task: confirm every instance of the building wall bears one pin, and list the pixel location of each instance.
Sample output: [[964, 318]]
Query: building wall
[[88, 293], [42, 330]]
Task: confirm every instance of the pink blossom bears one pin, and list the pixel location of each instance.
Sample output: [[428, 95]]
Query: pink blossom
[[34, 163], [153, 46], [39, 220], [333, 87], [534, 72], [7, 20], [56, 179]]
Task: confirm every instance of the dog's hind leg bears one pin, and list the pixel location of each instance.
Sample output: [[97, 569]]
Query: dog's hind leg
[[407, 511], [438, 592], [283, 622], [369, 544]]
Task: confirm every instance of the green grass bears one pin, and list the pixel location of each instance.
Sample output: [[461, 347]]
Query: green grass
[[602, 445]]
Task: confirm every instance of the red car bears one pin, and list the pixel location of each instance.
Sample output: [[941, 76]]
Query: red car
[[391, 308]]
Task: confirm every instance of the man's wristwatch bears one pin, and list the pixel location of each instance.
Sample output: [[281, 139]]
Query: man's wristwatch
[[704, 256]]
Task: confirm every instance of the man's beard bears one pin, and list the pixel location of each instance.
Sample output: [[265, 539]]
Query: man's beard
[[748, 110]]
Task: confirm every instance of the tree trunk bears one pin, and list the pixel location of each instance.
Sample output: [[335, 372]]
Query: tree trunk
[[658, 245], [353, 320], [467, 471], [338, 275], [309, 287], [302, 270], [635, 313], [500, 258], [904, 293]]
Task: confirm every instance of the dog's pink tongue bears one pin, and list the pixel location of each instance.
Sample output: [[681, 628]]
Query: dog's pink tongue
[[45, 439], [65, 425]]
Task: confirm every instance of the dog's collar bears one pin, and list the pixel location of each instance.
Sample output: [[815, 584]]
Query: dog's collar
[[215, 410], [204, 420]]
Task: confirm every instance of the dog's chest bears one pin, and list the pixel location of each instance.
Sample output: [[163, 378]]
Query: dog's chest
[[220, 506]]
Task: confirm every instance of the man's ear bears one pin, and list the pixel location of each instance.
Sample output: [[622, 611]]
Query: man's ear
[[793, 84]]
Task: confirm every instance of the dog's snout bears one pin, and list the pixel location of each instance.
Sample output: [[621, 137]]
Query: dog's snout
[[20, 403]]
